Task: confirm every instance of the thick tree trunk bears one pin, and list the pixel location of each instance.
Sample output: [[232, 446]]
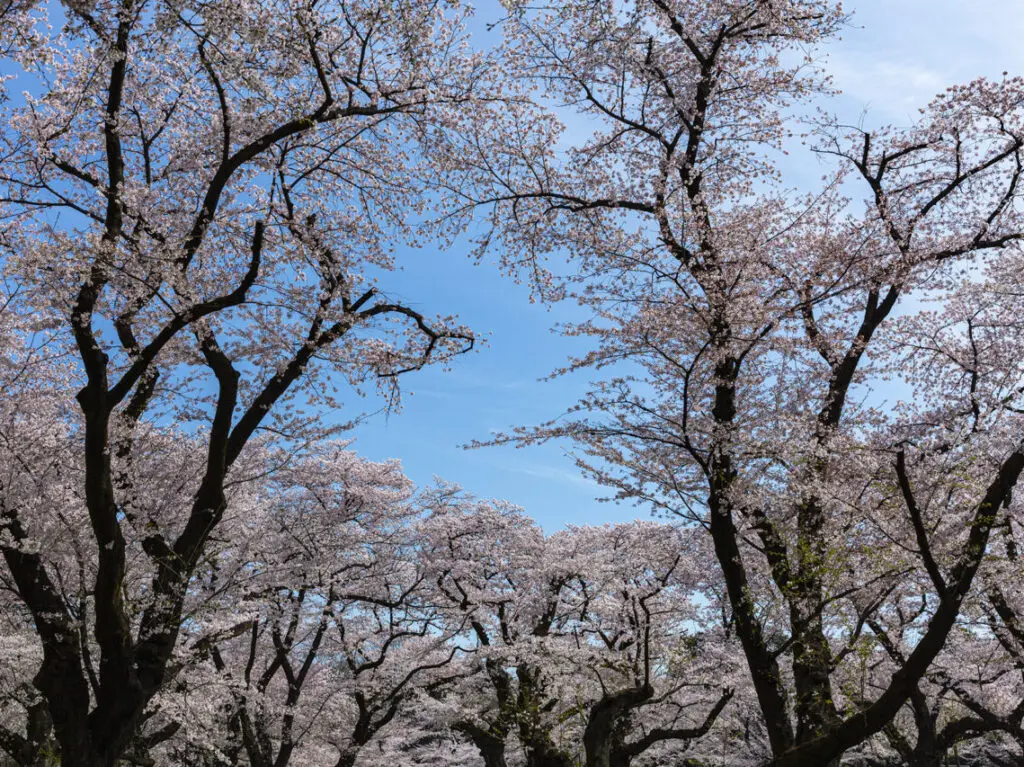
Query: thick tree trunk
[[927, 751], [764, 668], [490, 744], [90, 758], [925, 758], [533, 733], [494, 756], [546, 754], [601, 736], [814, 706], [812, 657]]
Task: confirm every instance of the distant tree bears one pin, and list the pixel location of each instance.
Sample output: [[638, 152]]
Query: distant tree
[[339, 634], [591, 645]]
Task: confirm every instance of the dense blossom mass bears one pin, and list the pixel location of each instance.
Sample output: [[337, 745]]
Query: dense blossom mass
[[819, 391]]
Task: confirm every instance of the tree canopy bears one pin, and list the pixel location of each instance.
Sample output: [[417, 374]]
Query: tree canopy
[[818, 391]]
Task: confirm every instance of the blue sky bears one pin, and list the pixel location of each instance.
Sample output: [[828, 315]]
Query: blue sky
[[896, 55]]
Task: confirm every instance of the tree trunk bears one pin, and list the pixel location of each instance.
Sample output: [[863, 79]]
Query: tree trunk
[[545, 754], [764, 668], [347, 758], [812, 657], [601, 735], [925, 758], [814, 707], [494, 755], [927, 751], [765, 673], [490, 744]]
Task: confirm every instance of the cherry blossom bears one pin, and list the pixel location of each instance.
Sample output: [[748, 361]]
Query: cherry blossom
[[744, 333], [200, 203]]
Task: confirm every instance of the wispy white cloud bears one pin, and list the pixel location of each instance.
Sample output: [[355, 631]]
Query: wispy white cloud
[[897, 88], [900, 54], [555, 473]]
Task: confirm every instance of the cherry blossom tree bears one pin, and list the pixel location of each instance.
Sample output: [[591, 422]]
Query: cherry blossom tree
[[585, 640], [656, 675], [197, 200], [970, 696], [38, 466], [487, 561], [747, 332], [338, 633], [199, 207], [25, 731]]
